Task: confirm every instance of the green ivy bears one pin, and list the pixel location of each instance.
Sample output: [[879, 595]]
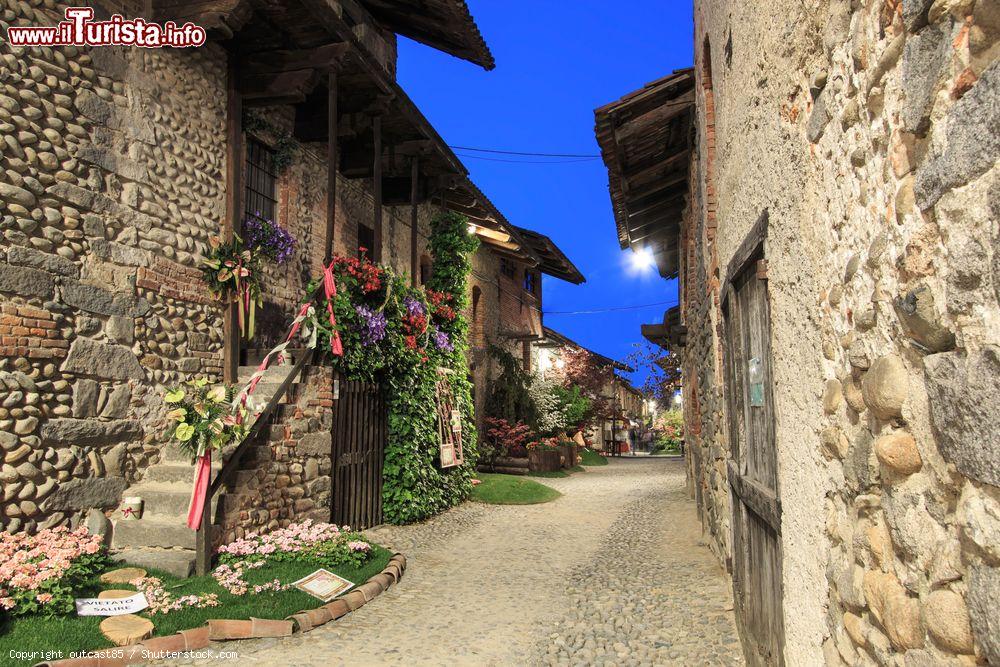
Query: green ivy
[[415, 486], [510, 396], [285, 145]]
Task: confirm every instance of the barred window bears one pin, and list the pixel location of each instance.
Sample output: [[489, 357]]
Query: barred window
[[507, 267], [262, 182]]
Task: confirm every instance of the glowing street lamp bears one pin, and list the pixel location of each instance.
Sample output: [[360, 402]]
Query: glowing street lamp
[[642, 259]]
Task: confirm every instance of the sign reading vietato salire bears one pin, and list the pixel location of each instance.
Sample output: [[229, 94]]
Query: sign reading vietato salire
[[111, 606], [80, 29]]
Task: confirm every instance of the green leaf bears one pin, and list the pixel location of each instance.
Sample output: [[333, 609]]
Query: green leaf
[[184, 432], [174, 396]]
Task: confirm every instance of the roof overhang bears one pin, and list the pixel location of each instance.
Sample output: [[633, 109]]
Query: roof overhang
[[446, 25], [645, 140], [555, 339], [671, 334], [552, 260]]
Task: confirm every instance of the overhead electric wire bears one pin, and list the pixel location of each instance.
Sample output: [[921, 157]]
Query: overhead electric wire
[[608, 310], [527, 154], [494, 159]]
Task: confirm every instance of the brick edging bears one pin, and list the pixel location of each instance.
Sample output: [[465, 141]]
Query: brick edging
[[252, 628]]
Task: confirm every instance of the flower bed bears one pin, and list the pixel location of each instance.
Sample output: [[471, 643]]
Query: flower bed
[[252, 580], [39, 574]]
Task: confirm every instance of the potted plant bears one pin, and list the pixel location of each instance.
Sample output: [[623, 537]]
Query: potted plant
[[544, 455]]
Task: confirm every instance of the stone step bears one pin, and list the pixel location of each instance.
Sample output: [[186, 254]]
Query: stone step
[[272, 374], [178, 562], [179, 471], [169, 499], [153, 531]]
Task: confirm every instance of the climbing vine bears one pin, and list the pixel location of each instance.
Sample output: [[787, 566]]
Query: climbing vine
[[399, 335], [285, 145]]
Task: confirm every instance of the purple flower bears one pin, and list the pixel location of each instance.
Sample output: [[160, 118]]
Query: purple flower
[[414, 307], [441, 341], [269, 238], [373, 324]]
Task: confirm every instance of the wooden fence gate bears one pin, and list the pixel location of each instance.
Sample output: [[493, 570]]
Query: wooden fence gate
[[360, 428], [753, 473]]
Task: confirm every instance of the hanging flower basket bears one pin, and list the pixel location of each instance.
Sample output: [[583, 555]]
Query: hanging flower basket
[[232, 273]]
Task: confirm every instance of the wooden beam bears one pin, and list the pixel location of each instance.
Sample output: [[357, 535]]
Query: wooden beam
[[331, 166], [221, 17], [278, 88], [377, 186], [414, 194], [234, 216], [321, 58]]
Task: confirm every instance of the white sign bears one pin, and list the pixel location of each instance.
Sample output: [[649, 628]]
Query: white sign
[[323, 585], [111, 606]]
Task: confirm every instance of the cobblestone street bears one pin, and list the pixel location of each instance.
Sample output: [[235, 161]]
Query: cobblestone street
[[611, 573]]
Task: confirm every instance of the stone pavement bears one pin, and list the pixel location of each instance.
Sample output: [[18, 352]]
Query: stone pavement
[[613, 572]]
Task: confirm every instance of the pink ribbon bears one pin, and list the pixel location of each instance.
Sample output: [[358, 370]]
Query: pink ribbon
[[203, 471], [202, 474], [336, 347]]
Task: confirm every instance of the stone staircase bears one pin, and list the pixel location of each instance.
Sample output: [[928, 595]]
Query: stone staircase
[[161, 538]]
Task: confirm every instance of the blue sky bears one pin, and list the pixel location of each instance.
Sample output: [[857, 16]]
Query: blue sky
[[556, 62]]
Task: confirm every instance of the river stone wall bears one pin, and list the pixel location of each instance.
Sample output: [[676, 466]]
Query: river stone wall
[[867, 130], [113, 182]]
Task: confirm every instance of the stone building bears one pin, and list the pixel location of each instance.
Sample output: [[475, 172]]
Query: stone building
[[824, 184], [120, 164], [506, 301]]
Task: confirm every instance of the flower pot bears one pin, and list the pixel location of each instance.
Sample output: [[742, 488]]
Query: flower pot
[[569, 456], [132, 508], [541, 460]]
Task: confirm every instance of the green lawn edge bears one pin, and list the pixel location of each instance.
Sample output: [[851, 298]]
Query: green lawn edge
[[589, 457], [497, 489], [82, 633]]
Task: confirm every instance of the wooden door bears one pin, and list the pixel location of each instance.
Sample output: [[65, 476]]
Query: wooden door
[[752, 467], [360, 428]]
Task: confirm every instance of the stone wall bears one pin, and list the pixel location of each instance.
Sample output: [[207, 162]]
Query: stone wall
[[867, 130], [114, 166], [285, 477]]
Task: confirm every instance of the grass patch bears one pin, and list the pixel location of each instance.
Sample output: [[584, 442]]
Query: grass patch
[[589, 457], [553, 474], [511, 490], [78, 633]]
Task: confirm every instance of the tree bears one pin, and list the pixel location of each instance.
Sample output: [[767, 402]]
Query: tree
[[663, 377], [591, 376]]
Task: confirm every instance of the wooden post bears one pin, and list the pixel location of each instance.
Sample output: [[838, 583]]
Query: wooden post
[[233, 221], [377, 187], [414, 193], [331, 168]]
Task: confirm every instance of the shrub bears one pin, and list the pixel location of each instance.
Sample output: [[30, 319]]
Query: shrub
[[669, 431], [503, 439], [42, 573]]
